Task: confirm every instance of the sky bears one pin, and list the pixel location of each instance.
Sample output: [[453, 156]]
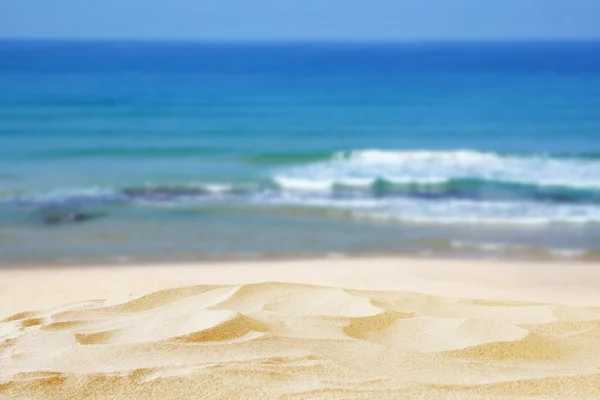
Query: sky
[[301, 19]]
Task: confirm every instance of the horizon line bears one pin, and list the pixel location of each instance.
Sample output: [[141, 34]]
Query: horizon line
[[302, 40]]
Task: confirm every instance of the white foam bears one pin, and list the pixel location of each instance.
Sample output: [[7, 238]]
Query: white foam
[[217, 188], [441, 166], [474, 212], [406, 210], [321, 185], [392, 157], [311, 185]]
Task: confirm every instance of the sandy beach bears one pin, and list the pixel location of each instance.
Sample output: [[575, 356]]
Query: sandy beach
[[333, 328]]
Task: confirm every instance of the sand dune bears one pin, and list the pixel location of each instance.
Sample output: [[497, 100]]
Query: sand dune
[[296, 341]]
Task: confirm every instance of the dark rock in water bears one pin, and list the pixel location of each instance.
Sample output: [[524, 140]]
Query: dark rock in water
[[162, 192], [57, 218]]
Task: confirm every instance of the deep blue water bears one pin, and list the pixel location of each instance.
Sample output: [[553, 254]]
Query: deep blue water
[[191, 150]]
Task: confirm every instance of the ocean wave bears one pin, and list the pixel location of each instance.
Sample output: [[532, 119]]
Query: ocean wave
[[349, 188], [438, 211], [481, 213], [445, 166], [407, 210], [453, 202], [473, 189], [465, 154]]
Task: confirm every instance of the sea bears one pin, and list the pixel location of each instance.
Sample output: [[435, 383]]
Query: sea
[[125, 151]]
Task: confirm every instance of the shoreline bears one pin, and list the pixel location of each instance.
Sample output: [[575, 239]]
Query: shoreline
[[588, 258], [43, 286]]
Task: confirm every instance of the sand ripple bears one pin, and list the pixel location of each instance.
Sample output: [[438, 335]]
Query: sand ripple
[[290, 341]]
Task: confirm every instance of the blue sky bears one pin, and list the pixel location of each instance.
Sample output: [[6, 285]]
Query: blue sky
[[301, 19]]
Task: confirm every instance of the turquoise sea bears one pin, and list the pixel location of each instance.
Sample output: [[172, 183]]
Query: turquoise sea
[[123, 151]]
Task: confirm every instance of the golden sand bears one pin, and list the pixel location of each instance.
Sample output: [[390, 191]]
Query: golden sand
[[306, 341]]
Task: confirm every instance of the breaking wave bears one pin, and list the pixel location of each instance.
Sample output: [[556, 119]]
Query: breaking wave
[[406, 186]]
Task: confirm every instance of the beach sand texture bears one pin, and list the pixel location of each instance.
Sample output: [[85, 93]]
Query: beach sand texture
[[300, 341]]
